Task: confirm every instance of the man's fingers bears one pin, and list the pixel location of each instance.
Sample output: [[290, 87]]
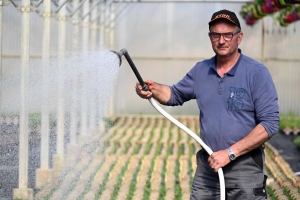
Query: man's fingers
[[139, 90], [143, 94], [213, 163]]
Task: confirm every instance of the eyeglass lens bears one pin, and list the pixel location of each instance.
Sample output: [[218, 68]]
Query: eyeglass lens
[[226, 36]]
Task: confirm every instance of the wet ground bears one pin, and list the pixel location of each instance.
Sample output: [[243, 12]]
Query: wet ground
[[9, 157], [287, 148]]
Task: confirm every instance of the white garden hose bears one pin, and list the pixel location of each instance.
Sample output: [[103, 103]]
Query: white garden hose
[[196, 137], [169, 117]]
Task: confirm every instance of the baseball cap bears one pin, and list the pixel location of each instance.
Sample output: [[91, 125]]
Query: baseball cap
[[225, 14]]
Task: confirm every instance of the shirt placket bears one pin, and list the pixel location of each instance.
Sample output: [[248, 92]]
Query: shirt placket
[[221, 84]]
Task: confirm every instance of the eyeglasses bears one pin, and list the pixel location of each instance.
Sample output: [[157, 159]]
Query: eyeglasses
[[227, 36]]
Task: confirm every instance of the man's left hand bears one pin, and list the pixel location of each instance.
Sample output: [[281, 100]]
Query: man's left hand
[[218, 159]]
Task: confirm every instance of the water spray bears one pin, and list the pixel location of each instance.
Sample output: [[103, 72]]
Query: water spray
[[123, 52]]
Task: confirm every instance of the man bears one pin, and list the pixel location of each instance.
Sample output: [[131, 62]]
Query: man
[[238, 113]]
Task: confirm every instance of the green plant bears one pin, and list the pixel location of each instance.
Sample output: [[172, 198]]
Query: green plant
[[10, 114], [102, 186], [288, 15], [109, 122], [91, 178], [147, 187], [271, 193], [297, 141], [289, 120], [257, 9], [35, 119], [119, 181]]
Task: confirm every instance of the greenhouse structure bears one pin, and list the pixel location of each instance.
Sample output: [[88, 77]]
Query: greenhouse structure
[[72, 126]]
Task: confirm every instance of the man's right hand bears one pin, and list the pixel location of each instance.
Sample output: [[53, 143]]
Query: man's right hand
[[161, 93], [144, 94]]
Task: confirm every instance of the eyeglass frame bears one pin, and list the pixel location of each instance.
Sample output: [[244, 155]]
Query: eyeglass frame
[[222, 34]]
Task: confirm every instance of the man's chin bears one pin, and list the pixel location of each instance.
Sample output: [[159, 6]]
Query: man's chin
[[222, 53]]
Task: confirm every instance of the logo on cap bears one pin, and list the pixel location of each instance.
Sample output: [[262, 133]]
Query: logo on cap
[[223, 16]]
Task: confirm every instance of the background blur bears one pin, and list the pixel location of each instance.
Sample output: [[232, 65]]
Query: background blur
[[165, 40]]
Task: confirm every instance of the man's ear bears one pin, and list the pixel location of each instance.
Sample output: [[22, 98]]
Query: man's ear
[[240, 37]]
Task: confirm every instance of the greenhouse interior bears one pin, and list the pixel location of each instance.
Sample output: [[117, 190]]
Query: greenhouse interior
[[73, 126]]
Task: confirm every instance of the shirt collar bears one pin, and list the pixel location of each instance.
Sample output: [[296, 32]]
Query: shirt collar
[[233, 69]]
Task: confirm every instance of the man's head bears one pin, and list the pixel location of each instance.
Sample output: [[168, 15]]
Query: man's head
[[225, 32], [224, 14]]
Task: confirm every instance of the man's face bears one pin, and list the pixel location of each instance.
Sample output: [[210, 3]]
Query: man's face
[[226, 44]]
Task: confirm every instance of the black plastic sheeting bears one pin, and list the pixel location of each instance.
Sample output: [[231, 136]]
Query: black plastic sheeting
[[287, 148]]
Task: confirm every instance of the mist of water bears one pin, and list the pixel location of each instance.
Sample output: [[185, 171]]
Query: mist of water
[[80, 85], [91, 75]]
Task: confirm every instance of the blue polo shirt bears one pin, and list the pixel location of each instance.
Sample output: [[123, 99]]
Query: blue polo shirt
[[230, 107]]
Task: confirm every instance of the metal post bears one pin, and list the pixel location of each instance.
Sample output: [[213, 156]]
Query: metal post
[[58, 159], [44, 174], [74, 110], [101, 47], [106, 25], [84, 93], [23, 192], [106, 41], [111, 34], [102, 25], [112, 26], [93, 97]]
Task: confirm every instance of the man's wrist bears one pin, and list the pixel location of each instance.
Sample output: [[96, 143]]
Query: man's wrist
[[231, 154]]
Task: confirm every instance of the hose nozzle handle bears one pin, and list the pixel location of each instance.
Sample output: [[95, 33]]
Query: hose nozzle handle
[[134, 69], [145, 87]]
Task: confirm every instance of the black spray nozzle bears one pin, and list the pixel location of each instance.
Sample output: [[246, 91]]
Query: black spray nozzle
[[119, 56], [133, 67]]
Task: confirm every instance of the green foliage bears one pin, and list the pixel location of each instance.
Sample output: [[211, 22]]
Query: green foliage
[[137, 149], [285, 16], [87, 187], [148, 148], [102, 185], [289, 120], [10, 114], [297, 141], [147, 187], [178, 191], [119, 182], [286, 12], [109, 122], [127, 146], [105, 144], [132, 186], [35, 119], [271, 193], [116, 145], [287, 193]]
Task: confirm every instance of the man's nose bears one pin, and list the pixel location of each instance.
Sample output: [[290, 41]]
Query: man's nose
[[221, 40]]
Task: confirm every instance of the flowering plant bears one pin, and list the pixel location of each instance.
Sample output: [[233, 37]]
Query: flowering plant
[[258, 9], [289, 15]]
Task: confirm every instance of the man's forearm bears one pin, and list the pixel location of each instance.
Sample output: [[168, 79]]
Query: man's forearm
[[254, 139], [162, 93]]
